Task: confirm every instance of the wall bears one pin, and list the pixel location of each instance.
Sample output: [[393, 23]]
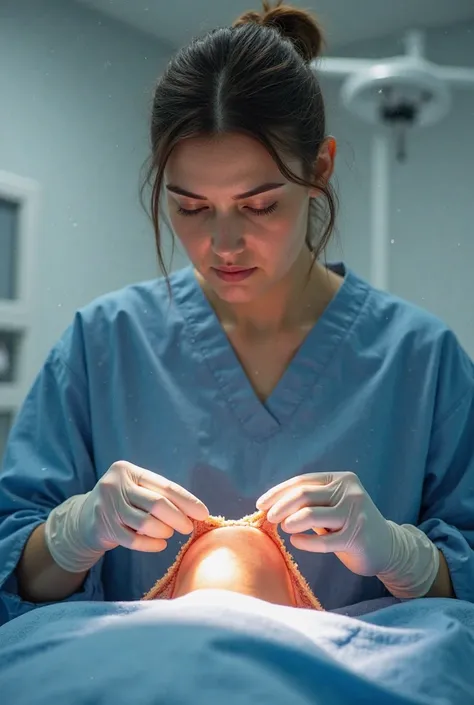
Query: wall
[[74, 92], [432, 194]]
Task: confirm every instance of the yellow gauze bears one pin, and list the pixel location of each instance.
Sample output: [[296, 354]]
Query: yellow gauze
[[305, 598]]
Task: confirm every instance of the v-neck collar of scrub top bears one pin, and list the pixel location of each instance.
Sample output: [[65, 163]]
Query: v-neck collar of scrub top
[[211, 345]]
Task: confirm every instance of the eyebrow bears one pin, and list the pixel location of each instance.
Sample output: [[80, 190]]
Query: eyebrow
[[263, 188]]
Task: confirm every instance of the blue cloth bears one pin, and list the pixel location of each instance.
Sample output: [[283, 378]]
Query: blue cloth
[[378, 387], [216, 648]]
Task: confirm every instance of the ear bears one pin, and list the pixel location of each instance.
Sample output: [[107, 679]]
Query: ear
[[324, 166]]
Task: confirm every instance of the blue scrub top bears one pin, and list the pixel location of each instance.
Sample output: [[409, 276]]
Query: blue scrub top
[[378, 387]]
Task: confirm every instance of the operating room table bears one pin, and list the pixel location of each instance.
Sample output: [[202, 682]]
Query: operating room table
[[214, 646]]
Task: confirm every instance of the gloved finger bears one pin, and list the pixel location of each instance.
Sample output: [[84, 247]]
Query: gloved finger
[[189, 505], [298, 498], [146, 524], [314, 518], [160, 507], [130, 539], [268, 499], [328, 543]]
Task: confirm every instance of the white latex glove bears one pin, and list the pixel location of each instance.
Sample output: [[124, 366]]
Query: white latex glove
[[130, 507], [337, 508]]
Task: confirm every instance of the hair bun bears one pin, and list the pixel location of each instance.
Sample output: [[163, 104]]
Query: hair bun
[[299, 26]]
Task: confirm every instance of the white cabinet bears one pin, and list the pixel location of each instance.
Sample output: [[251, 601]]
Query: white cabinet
[[19, 199]]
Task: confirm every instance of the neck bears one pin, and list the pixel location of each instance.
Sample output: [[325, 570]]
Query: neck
[[296, 301]]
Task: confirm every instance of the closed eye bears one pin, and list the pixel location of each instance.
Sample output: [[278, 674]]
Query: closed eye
[[263, 211], [255, 211], [185, 211]]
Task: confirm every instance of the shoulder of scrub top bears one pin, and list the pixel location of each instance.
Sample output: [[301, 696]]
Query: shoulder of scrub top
[[424, 344], [143, 311]]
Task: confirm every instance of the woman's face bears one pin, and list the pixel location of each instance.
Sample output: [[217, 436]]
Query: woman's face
[[242, 224]]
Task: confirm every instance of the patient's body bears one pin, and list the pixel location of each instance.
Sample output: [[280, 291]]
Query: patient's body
[[238, 558], [246, 556]]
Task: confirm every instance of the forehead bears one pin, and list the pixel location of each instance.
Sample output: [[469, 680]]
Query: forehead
[[252, 546], [233, 161]]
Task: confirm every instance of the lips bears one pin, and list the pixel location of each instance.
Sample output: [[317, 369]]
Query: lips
[[233, 274], [233, 270]]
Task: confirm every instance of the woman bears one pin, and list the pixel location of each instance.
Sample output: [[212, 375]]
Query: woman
[[257, 371]]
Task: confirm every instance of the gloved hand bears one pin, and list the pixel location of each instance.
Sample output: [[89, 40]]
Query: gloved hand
[[130, 507], [348, 523]]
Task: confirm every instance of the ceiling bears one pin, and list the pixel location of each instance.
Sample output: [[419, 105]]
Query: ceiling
[[345, 21]]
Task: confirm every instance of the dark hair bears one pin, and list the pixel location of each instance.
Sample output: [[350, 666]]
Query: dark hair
[[254, 78]]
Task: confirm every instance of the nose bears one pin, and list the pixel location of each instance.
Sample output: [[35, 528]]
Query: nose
[[227, 238]]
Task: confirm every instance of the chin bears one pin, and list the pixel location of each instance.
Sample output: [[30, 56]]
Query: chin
[[243, 292], [234, 294]]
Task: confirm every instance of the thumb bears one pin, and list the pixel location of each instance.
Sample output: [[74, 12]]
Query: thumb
[[139, 542], [329, 542]]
